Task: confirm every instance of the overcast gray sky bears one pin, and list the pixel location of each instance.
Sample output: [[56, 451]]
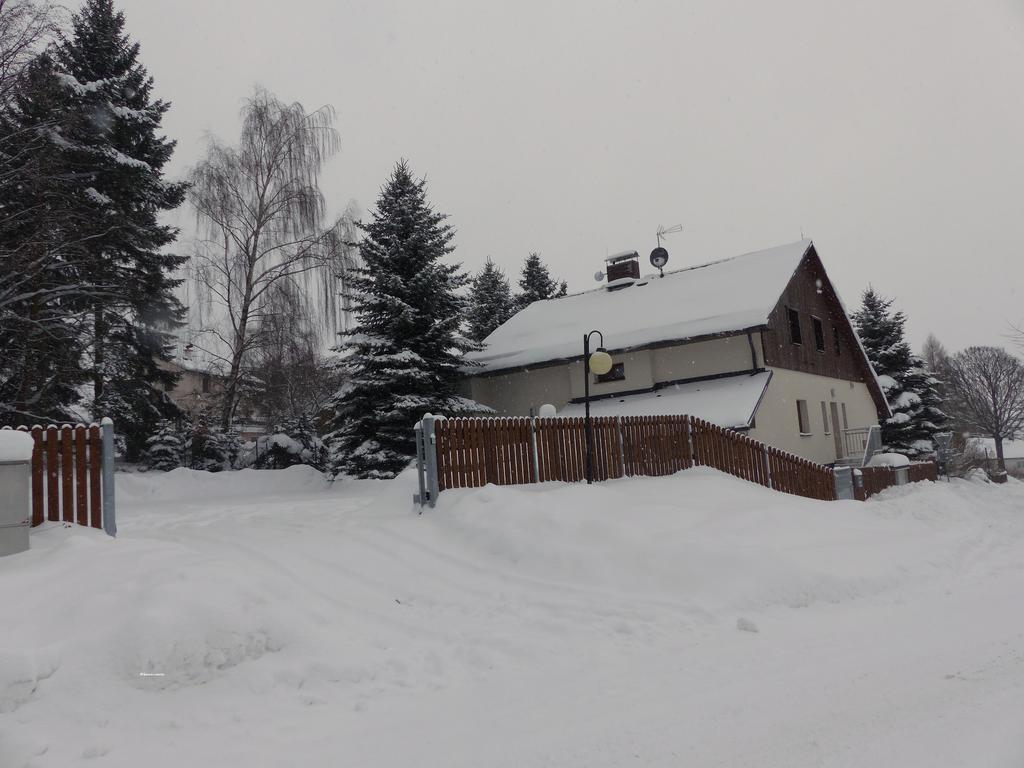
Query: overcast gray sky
[[889, 132]]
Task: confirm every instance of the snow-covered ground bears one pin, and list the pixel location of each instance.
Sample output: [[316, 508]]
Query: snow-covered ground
[[266, 619]]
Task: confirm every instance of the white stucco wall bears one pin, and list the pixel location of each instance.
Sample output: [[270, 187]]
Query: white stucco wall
[[777, 423], [704, 358], [514, 394]]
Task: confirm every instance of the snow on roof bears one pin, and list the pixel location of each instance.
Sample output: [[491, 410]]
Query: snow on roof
[[1012, 449], [728, 402], [728, 295]]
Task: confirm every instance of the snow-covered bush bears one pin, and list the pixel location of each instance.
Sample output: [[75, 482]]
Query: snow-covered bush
[[290, 443], [165, 448], [213, 450]]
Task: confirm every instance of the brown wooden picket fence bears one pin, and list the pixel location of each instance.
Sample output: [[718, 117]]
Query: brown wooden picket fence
[[67, 474], [508, 451], [877, 479]]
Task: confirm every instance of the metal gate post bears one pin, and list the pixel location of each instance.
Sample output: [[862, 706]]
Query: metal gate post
[[430, 449], [768, 467], [109, 509], [421, 497]]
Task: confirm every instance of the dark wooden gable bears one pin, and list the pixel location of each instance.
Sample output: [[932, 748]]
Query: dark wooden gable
[[811, 294]]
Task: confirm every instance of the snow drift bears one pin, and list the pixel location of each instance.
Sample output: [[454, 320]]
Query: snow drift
[[268, 618]]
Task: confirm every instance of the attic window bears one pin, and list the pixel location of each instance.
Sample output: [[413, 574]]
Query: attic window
[[617, 373], [819, 334], [835, 338], [794, 326]]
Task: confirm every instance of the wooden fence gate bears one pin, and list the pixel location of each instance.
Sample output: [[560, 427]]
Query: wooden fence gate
[[73, 474]]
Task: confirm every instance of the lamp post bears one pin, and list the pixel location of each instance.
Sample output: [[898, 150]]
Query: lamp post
[[600, 362]]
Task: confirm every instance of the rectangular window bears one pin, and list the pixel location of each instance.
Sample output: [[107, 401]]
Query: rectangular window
[[802, 418], [824, 417], [819, 334], [794, 326], [835, 338], [617, 373], [846, 424]]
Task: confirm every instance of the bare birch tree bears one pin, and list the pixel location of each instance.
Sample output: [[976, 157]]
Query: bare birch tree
[[986, 389], [25, 27], [261, 212]]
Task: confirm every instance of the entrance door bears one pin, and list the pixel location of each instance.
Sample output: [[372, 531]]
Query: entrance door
[[836, 431]]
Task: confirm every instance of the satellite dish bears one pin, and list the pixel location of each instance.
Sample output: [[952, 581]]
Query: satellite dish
[[599, 276], [659, 257]]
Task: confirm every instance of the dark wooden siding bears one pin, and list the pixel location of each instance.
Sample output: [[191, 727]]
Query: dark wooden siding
[[810, 292]]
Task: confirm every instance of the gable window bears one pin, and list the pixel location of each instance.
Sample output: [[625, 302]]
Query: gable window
[[802, 417], [835, 338], [794, 326], [824, 417], [617, 373], [819, 334]]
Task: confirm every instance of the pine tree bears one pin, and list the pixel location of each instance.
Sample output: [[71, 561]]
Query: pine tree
[[41, 253], [213, 450], [165, 448], [536, 284], [490, 302], [123, 167], [404, 356], [911, 390]]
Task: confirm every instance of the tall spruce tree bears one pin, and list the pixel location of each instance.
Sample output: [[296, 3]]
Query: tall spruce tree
[[536, 284], [911, 390], [404, 355], [490, 302], [42, 254], [131, 323]]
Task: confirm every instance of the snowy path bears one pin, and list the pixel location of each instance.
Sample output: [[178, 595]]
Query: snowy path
[[287, 623]]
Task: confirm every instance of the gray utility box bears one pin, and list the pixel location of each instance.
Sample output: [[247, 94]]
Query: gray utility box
[[15, 502]]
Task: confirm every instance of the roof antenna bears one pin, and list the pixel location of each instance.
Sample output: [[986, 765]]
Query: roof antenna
[[659, 256]]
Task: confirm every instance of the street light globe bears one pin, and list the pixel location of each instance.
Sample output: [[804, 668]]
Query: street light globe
[[600, 362]]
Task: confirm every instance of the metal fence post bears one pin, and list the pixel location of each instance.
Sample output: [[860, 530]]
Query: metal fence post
[[109, 508], [430, 449], [768, 467], [421, 497], [533, 446]]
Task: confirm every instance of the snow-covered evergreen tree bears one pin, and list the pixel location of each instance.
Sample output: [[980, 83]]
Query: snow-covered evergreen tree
[[212, 449], [490, 302], [165, 448], [122, 163], [405, 354], [911, 390], [536, 284], [41, 251]]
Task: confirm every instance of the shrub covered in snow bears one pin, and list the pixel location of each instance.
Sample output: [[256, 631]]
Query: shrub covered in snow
[[290, 443], [213, 450], [165, 448]]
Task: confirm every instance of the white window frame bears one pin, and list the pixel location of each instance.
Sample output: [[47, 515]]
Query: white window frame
[[803, 418]]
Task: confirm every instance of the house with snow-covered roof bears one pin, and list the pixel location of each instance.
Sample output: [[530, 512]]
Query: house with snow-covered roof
[[759, 343]]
